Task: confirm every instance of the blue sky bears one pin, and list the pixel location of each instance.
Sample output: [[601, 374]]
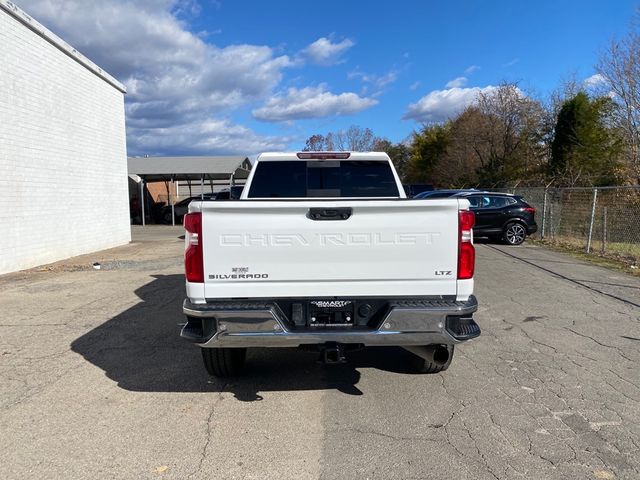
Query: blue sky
[[212, 77]]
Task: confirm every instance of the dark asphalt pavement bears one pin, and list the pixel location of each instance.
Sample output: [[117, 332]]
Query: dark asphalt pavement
[[95, 383]]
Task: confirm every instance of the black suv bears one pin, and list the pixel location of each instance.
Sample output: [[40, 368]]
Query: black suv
[[499, 216]]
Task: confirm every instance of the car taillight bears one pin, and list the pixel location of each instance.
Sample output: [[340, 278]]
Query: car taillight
[[466, 251], [529, 209], [193, 261]]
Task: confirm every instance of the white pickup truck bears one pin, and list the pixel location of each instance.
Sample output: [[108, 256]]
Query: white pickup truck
[[324, 251]]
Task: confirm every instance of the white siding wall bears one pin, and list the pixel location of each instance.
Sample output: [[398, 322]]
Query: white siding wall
[[63, 174]]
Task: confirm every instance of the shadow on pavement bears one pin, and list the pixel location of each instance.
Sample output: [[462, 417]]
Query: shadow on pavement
[[141, 350]]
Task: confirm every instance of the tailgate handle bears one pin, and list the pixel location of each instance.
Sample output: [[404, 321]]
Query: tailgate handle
[[330, 213]]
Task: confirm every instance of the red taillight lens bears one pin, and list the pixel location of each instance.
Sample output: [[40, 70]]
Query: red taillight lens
[[467, 219], [529, 209], [193, 261], [466, 261], [466, 251]]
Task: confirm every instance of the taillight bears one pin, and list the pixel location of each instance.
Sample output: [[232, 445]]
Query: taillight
[[529, 209], [193, 261], [466, 251]]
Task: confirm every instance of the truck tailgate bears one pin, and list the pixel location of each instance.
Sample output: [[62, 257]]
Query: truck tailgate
[[384, 248]]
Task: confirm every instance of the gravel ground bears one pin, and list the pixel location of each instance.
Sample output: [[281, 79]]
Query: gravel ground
[[96, 383]]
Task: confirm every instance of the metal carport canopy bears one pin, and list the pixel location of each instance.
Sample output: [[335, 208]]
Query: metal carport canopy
[[175, 169], [166, 169]]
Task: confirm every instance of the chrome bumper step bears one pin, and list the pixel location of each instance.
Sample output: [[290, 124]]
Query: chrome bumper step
[[262, 324]]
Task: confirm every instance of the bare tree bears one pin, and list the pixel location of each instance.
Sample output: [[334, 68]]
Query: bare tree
[[355, 139], [507, 135], [498, 140], [465, 150], [619, 66], [315, 143], [359, 139]]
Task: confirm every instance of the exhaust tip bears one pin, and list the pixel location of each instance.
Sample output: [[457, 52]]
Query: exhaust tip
[[441, 356], [436, 354]]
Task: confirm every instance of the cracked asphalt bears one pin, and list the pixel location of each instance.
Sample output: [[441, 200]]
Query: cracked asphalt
[[95, 382]]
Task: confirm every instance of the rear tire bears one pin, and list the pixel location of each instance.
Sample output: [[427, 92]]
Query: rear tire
[[421, 365], [224, 362], [514, 233]]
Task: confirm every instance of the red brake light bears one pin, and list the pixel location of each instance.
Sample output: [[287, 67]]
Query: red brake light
[[467, 219], [323, 155], [466, 261], [466, 250], [193, 260], [529, 209]]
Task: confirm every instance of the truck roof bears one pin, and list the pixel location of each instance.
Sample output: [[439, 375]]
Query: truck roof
[[275, 156]]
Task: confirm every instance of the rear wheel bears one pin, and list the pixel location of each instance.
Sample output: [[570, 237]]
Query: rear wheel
[[514, 233], [442, 360], [224, 362]]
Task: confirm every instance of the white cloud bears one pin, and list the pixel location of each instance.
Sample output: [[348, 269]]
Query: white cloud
[[440, 105], [471, 68], [377, 81], [325, 52], [457, 82], [414, 85], [176, 81], [595, 81], [311, 102], [210, 136], [511, 62]]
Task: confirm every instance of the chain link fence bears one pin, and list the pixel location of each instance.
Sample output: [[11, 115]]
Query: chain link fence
[[603, 220]]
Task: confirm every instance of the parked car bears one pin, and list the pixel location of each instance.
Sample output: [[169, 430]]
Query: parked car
[[232, 193], [442, 193], [501, 216], [413, 189], [319, 253], [181, 207]]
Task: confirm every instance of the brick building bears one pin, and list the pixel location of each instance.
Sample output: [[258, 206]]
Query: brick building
[[63, 162]]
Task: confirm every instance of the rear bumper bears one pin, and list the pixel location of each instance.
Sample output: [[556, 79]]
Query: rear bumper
[[532, 228], [262, 324]]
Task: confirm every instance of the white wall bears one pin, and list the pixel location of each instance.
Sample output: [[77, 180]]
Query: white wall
[[63, 173]]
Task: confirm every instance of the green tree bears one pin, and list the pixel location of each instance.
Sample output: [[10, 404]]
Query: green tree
[[428, 152], [399, 153], [585, 149]]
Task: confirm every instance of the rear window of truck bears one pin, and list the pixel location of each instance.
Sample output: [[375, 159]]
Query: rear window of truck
[[329, 178]]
